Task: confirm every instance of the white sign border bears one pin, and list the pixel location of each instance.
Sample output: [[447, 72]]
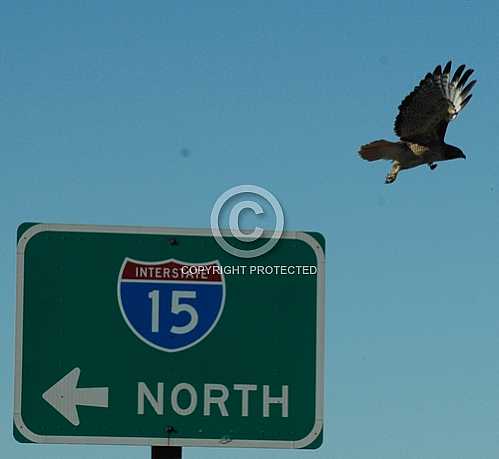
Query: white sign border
[[146, 441]]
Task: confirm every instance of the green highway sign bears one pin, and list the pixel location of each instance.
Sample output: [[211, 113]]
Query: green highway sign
[[157, 336]]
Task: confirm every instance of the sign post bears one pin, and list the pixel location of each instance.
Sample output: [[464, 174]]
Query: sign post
[[166, 452], [125, 338]]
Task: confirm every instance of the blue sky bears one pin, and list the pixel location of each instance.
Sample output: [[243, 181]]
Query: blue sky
[[115, 113]]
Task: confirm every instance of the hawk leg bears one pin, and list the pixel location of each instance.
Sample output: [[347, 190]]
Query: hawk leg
[[392, 176], [433, 166]]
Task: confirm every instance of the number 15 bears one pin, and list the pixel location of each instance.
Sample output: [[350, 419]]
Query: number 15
[[176, 308]]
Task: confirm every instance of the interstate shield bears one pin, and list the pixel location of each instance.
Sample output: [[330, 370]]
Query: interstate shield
[[171, 305]]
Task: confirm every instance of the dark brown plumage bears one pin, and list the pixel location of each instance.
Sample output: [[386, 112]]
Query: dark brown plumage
[[422, 122]]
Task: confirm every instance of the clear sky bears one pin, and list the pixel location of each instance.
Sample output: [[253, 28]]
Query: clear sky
[[143, 114]]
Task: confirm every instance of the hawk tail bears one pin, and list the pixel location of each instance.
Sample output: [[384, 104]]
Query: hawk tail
[[379, 149]]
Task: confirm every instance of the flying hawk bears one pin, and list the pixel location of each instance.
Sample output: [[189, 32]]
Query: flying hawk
[[422, 121]]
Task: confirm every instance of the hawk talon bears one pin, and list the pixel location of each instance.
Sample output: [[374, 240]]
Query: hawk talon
[[390, 179], [433, 166]]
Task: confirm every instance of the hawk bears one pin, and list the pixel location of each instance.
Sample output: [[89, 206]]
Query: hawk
[[422, 122]]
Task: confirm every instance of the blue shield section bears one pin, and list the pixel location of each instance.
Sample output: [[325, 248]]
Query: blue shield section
[[171, 316]]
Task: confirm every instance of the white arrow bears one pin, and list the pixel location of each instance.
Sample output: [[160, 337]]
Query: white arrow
[[64, 396]]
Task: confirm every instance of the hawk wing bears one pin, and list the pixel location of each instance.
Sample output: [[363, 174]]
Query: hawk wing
[[425, 113]]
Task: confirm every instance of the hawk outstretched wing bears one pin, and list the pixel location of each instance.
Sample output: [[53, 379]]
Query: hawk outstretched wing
[[425, 113]]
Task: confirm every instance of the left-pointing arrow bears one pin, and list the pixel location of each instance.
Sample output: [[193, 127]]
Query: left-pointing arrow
[[64, 396]]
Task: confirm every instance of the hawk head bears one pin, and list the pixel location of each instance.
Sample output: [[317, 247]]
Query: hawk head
[[452, 152]]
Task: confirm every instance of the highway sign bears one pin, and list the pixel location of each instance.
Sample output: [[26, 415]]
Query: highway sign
[[156, 336]]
